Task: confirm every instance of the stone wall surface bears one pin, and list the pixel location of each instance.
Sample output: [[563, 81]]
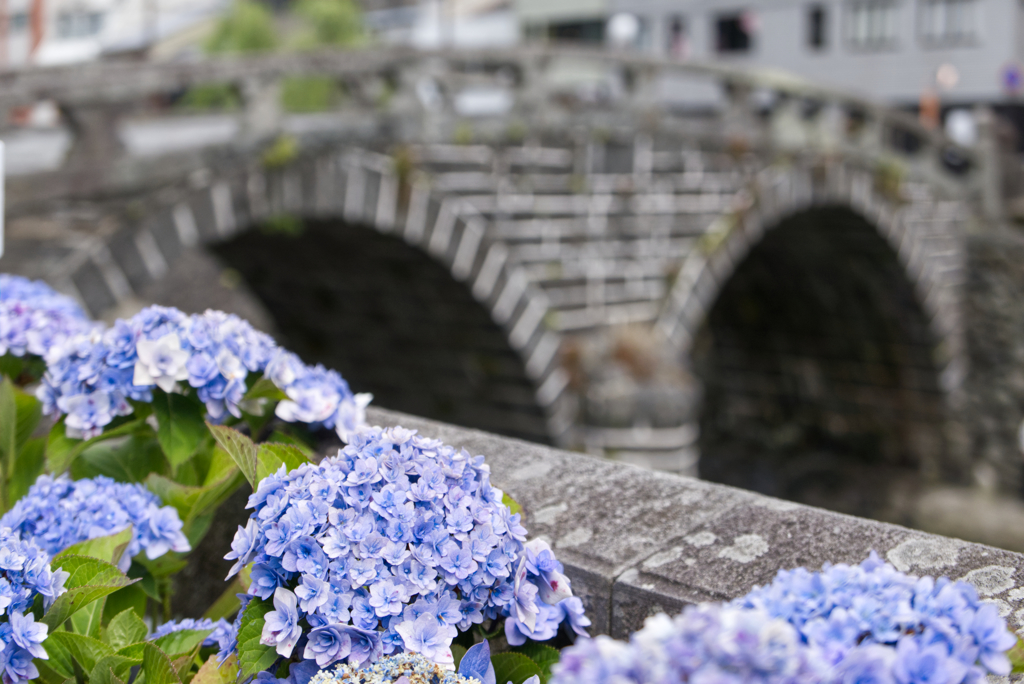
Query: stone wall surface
[[635, 542]]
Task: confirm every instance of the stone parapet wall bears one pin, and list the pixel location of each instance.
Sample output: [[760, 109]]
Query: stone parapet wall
[[635, 542]]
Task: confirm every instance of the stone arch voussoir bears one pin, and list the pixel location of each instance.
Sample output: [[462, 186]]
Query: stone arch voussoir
[[359, 187], [922, 230]]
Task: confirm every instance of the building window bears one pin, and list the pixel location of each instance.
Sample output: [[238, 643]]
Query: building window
[[817, 27], [79, 24], [947, 21], [872, 24], [733, 33], [19, 22], [577, 32]]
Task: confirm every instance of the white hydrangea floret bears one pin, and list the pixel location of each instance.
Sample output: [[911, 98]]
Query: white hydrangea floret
[[161, 362]]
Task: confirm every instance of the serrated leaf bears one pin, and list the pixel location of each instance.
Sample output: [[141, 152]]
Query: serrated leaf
[[62, 450], [65, 647], [157, 667], [184, 641], [126, 628], [212, 672], [514, 667], [90, 579], [511, 503], [240, 448], [254, 657], [543, 655], [105, 676], [270, 457], [109, 548], [110, 668], [181, 426]]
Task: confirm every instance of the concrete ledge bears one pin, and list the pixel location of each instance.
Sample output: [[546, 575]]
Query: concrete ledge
[[635, 542]]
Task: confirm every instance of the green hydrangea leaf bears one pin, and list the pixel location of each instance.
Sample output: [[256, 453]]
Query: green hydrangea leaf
[[514, 667], [254, 657], [90, 579], [511, 503], [1016, 656], [181, 426], [157, 667], [213, 672], [66, 648], [126, 628], [272, 456], [182, 642], [109, 548], [240, 448], [543, 655], [62, 450]]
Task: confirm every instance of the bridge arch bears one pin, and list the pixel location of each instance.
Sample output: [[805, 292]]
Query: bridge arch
[[355, 198], [889, 352]]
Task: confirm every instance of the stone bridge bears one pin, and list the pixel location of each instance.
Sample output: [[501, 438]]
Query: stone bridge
[[690, 267]]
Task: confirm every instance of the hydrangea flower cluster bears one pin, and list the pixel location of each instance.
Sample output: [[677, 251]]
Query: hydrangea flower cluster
[[90, 378], [24, 574], [866, 623], [873, 618], [396, 543], [705, 643], [59, 512], [34, 318], [414, 667], [223, 633]]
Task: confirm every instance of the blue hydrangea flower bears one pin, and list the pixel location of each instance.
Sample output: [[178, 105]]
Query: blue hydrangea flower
[[397, 542], [25, 573], [91, 378], [34, 318], [868, 624], [222, 634], [925, 625], [59, 512], [705, 643]]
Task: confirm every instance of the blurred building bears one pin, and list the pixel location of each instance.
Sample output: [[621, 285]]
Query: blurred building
[[47, 32], [966, 50], [431, 24]]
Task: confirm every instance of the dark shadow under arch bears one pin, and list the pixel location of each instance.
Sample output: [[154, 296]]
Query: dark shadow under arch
[[819, 373], [391, 320]]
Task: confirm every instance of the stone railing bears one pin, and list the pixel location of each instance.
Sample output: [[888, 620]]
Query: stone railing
[[635, 542], [397, 95]]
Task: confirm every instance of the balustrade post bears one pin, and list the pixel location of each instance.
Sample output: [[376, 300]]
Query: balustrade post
[[740, 123], [263, 116], [789, 132], [989, 158], [95, 140]]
